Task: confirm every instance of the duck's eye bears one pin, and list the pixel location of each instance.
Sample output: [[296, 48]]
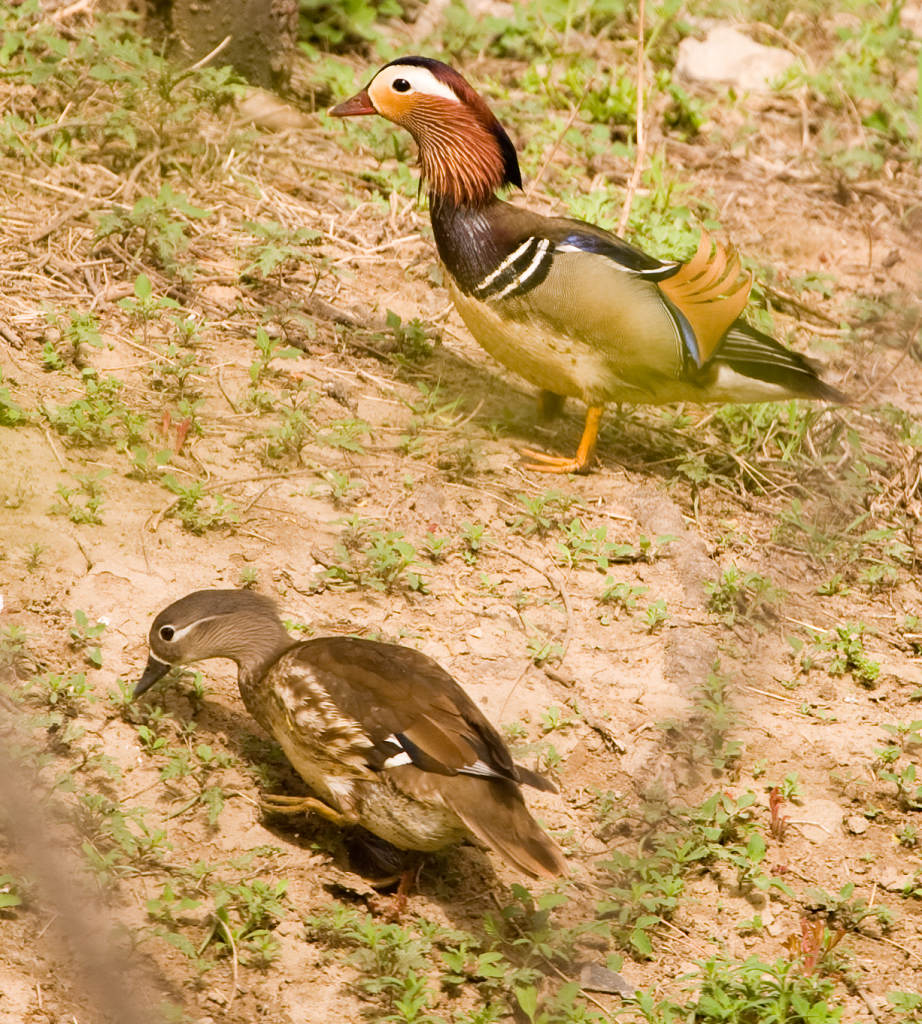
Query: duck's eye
[[166, 633], [401, 85]]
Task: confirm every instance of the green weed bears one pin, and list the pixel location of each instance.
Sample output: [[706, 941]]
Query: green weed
[[99, 419], [623, 597], [391, 961], [367, 556], [656, 615], [343, 489], [907, 1004], [840, 652], [147, 464], [82, 504], [268, 349], [11, 413], [846, 910], [542, 513], [158, 225], [198, 510], [117, 841], [84, 637], [278, 248], [745, 595], [590, 545], [10, 894], [74, 330], [412, 341], [753, 991], [892, 762]]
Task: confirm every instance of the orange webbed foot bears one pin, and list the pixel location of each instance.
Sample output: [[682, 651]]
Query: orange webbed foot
[[543, 463], [580, 462]]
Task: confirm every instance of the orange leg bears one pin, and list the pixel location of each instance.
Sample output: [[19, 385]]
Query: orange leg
[[580, 462], [277, 803], [394, 908]]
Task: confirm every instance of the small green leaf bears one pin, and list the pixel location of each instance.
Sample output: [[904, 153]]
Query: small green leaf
[[142, 286]]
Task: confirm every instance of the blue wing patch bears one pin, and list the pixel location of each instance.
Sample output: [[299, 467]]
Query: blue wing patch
[[623, 255]]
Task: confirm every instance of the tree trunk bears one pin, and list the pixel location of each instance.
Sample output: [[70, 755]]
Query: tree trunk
[[262, 34]]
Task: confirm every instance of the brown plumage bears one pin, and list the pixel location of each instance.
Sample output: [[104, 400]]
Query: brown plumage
[[381, 733], [571, 307]]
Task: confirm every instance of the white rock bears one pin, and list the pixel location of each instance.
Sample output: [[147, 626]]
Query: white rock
[[726, 55], [856, 824], [818, 820], [894, 880], [911, 17], [225, 297]]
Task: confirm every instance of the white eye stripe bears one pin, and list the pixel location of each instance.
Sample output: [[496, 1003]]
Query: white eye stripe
[[421, 80], [178, 634]]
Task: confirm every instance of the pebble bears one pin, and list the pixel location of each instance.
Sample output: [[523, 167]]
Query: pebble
[[856, 824], [818, 820], [726, 55], [894, 880]]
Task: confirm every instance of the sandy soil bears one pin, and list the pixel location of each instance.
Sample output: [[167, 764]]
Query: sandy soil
[[614, 679]]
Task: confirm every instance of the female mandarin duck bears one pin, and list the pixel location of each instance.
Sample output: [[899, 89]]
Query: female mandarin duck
[[571, 307], [383, 735]]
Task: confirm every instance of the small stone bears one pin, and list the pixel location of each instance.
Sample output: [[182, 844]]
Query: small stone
[[596, 978], [820, 820], [593, 846], [775, 928], [856, 824], [225, 297], [894, 880], [289, 929], [215, 996], [911, 16], [726, 55], [267, 111]]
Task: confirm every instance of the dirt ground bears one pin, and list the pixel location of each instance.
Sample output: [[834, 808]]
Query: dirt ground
[[514, 616]]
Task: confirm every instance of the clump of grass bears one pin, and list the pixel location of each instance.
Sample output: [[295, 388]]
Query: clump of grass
[[368, 556], [755, 990], [742, 595]]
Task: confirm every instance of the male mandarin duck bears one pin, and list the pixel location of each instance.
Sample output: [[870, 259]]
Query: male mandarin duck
[[383, 735], [572, 308]]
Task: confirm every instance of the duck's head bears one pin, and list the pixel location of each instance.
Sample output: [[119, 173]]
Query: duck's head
[[236, 624], [464, 151]]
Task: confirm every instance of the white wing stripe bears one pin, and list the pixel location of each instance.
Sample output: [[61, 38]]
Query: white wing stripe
[[396, 760], [481, 770], [510, 259], [654, 272], [517, 282]]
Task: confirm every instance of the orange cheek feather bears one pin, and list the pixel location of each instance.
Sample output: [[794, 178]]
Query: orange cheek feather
[[392, 105]]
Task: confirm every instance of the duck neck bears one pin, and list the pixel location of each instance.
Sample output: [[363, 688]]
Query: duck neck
[[464, 153], [254, 644], [466, 237]]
